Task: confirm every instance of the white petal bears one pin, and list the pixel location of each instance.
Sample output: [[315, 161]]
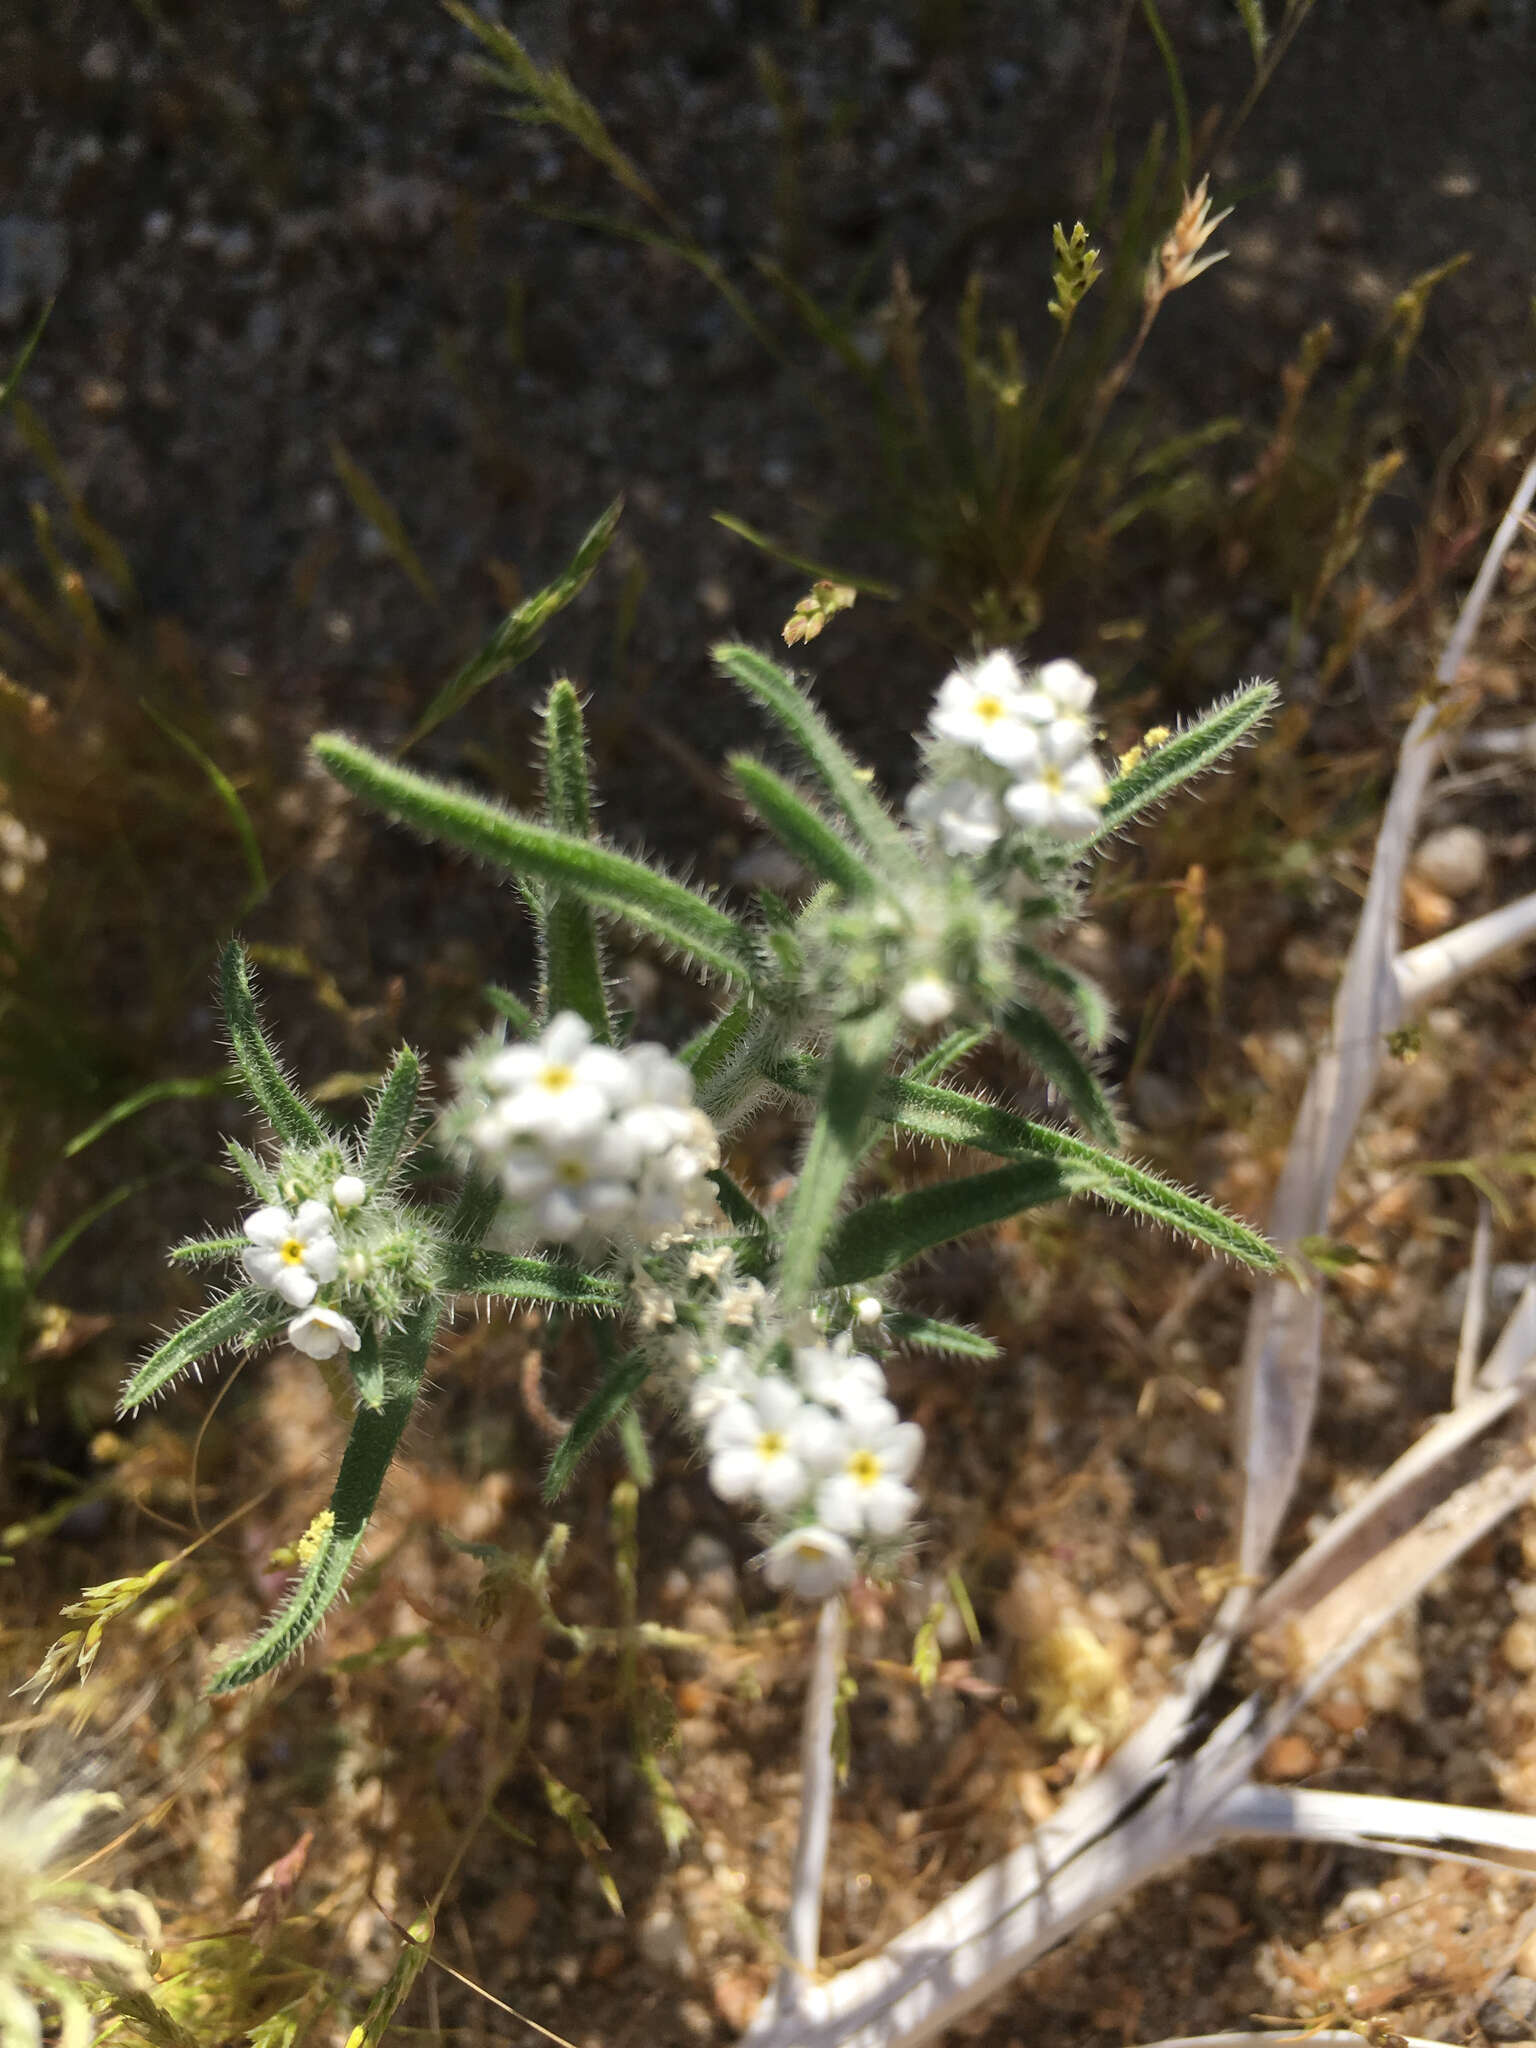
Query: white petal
[[565, 1040], [1030, 804], [263, 1265], [269, 1227], [1011, 743], [733, 1473], [901, 1449], [609, 1073], [513, 1067], [296, 1286], [778, 1403], [811, 1562], [313, 1220], [322, 1258], [321, 1333], [888, 1507], [559, 1217], [782, 1481], [1072, 687], [840, 1505]]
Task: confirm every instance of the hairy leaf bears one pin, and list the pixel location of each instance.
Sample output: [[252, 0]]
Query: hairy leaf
[[1064, 1067], [854, 1074], [621, 1382], [1191, 751], [292, 1119], [1084, 994], [389, 1127], [804, 835], [949, 1340], [885, 1234], [573, 953], [231, 1318], [467, 1270]]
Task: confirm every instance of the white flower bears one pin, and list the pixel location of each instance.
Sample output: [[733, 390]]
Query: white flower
[[349, 1191], [562, 1087], [758, 1445], [813, 1563], [659, 1111], [987, 707], [293, 1255], [840, 1378], [927, 999], [573, 1183], [865, 1493], [322, 1332], [731, 1378], [1069, 687], [1066, 792], [962, 815]]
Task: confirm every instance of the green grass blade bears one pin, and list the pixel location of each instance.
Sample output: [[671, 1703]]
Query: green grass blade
[[1087, 999], [467, 1270], [855, 1072], [622, 1380], [847, 784], [819, 571], [804, 835], [293, 1121], [887, 1233], [367, 1458], [391, 1126], [1064, 1068], [1252, 12], [1191, 751], [624, 888], [949, 1340], [188, 1089], [573, 954], [521, 630], [514, 1009], [229, 797], [12, 383], [375, 509], [233, 1317], [1175, 86]]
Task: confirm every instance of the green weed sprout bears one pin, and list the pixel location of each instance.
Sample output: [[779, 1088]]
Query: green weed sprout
[[590, 1164]]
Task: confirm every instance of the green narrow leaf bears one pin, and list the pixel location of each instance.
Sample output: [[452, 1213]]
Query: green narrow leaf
[[12, 383], [818, 571], [610, 881], [394, 1113], [741, 1212], [227, 1321], [808, 838], [573, 956], [1176, 91], [946, 1054], [372, 506], [855, 1072], [190, 1089], [847, 784], [239, 817], [474, 1212], [1191, 751], [200, 1251], [521, 630], [1064, 1067], [1087, 999], [1252, 12], [885, 1234], [391, 1994], [367, 1458], [949, 1340], [289, 1117], [716, 1045], [467, 1270], [516, 1012], [621, 1382]]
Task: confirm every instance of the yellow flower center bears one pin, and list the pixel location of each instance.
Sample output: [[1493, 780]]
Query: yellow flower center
[[573, 1173], [809, 1552], [291, 1252], [556, 1078], [989, 708], [770, 1444], [864, 1467], [1051, 777]]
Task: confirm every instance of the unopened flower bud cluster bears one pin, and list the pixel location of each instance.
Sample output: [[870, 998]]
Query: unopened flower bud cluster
[[333, 1249], [796, 1423], [588, 1144]]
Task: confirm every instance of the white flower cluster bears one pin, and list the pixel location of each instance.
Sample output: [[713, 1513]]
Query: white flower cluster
[[1028, 756], [296, 1255], [819, 1449], [586, 1141]]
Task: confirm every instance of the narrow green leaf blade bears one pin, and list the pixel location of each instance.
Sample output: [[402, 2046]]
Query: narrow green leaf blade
[[370, 1450], [1088, 1001], [741, 1212], [514, 1009], [390, 1128], [1065, 1068], [846, 783], [855, 1072], [201, 1251], [191, 1088], [521, 630], [949, 1340], [231, 1318], [885, 1234], [1191, 751], [610, 881], [465, 1269], [229, 798], [290, 1118], [12, 383], [949, 1052], [1252, 12], [573, 956], [808, 838], [621, 1382]]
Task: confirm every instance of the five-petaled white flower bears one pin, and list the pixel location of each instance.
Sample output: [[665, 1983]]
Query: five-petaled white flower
[[293, 1255], [841, 1378], [813, 1563], [1065, 794], [962, 815], [574, 1182], [864, 1491], [761, 1446], [562, 1086], [988, 707], [322, 1332]]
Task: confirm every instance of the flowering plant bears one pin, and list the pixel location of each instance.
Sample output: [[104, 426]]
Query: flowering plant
[[591, 1170]]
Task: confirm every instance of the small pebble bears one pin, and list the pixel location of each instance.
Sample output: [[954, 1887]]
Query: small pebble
[[1289, 1756], [1519, 1647], [1455, 860]]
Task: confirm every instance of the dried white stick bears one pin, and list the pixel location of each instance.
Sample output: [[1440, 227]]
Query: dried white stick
[[1327, 2038], [1427, 971], [1368, 1819], [802, 1935], [1469, 1342]]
